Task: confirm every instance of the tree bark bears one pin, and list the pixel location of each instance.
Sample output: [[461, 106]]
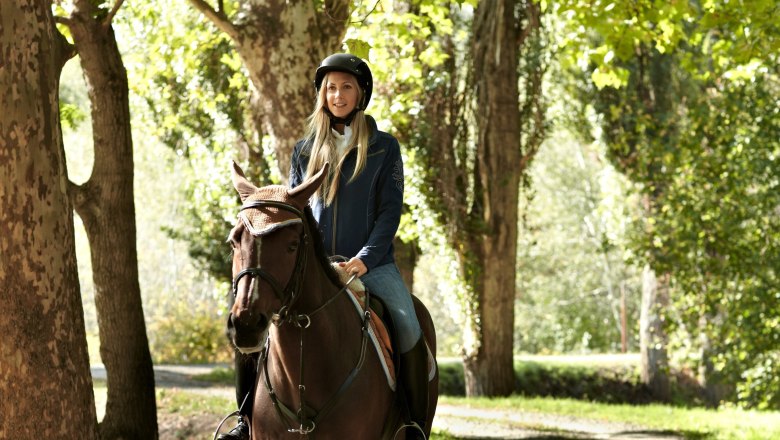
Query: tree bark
[[488, 361], [281, 44], [106, 206], [406, 256], [654, 362], [45, 381]]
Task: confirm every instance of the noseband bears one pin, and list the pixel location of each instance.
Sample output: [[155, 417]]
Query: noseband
[[291, 292]]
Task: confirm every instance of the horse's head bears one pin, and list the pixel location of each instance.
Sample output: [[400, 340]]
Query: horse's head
[[269, 256]]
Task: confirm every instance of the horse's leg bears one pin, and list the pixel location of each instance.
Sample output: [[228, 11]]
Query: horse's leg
[[429, 332]]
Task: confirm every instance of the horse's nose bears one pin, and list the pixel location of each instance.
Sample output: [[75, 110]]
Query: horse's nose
[[247, 330]]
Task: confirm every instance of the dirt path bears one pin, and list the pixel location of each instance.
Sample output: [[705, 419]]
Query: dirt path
[[461, 422]]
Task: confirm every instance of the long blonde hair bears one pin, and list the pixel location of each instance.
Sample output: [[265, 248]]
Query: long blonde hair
[[323, 147]]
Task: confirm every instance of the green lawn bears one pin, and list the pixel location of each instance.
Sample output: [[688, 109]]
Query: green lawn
[[692, 423]]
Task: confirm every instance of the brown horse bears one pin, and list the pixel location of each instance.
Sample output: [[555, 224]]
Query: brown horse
[[317, 378]]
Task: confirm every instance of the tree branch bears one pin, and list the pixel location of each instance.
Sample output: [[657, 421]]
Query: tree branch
[[107, 22], [217, 17], [65, 50]]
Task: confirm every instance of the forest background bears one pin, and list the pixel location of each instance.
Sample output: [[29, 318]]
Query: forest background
[[639, 179]]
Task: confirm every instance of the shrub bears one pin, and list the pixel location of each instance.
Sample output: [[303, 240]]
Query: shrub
[[189, 333]]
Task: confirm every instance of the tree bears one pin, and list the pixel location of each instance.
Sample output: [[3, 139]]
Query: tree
[[232, 94], [635, 94], [106, 206], [721, 211], [662, 68], [491, 251], [45, 379], [573, 248], [476, 90], [280, 43]]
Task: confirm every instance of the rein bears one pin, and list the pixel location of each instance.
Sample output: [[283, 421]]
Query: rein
[[288, 296]]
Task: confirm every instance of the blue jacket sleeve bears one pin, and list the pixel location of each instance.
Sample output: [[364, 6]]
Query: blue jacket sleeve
[[389, 202]]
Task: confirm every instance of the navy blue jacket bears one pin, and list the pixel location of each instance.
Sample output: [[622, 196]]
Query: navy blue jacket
[[363, 218]]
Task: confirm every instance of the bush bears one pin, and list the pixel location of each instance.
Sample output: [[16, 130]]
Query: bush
[[189, 334], [606, 384]]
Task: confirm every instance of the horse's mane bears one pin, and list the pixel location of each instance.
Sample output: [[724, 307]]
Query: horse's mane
[[319, 248]]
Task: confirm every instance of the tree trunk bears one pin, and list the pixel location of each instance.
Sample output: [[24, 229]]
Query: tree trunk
[[281, 43], [106, 206], [406, 255], [716, 387], [488, 361], [45, 381], [654, 365]]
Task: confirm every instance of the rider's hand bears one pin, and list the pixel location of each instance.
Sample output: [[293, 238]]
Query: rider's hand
[[354, 266]]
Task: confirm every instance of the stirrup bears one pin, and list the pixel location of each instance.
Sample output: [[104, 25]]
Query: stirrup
[[240, 422], [410, 425]]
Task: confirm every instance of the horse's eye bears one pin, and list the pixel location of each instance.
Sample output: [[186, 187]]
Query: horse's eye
[[292, 247]]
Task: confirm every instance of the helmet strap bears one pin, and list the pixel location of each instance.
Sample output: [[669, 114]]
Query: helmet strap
[[334, 120]]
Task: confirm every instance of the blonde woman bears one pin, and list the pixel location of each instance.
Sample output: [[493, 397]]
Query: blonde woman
[[358, 207]]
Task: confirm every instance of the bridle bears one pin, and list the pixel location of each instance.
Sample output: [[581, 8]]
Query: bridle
[[288, 296], [291, 292]]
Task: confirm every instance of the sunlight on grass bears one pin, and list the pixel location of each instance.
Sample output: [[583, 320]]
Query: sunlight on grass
[[173, 401], [187, 403], [218, 375], [693, 423]]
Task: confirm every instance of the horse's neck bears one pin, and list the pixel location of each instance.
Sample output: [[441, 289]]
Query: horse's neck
[[335, 330], [331, 344]]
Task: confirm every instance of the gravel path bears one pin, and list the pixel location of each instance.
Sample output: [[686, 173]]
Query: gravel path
[[462, 422]]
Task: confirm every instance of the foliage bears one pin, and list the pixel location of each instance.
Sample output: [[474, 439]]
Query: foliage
[[594, 383], [684, 104], [722, 214], [189, 333], [573, 254], [196, 95]]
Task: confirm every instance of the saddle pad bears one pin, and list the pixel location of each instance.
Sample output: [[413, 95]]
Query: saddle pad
[[377, 332]]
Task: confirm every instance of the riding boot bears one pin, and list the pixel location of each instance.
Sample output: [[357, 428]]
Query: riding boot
[[414, 381], [246, 375]]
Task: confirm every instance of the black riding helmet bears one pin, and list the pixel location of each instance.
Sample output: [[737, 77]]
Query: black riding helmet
[[345, 62]]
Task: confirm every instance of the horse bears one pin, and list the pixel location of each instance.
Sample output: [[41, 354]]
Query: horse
[[316, 378]]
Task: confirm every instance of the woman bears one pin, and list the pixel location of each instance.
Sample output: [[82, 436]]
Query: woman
[[358, 208]]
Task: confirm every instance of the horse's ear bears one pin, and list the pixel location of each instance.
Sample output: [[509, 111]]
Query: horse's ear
[[240, 183], [302, 192]]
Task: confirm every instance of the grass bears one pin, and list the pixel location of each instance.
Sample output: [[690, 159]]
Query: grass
[[218, 376], [692, 423], [535, 375]]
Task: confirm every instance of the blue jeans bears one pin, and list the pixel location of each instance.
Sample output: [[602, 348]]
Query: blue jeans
[[385, 282]]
